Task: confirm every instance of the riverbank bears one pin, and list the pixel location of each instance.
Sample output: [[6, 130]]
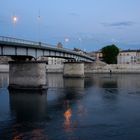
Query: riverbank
[[96, 67], [100, 67], [49, 68]]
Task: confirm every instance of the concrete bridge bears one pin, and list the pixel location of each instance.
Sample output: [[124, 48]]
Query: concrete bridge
[[18, 48], [27, 74]]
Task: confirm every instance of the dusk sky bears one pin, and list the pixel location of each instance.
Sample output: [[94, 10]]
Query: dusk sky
[[85, 24]]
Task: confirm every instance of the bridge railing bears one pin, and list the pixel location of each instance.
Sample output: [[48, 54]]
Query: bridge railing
[[46, 45], [39, 44], [15, 40], [22, 41]]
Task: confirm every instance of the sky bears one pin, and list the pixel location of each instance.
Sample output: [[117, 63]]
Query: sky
[[85, 24]]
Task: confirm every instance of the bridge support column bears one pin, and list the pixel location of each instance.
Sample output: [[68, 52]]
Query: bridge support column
[[73, 69], [27, 75]]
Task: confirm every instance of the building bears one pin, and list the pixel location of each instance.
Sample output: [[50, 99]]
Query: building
[[124, 56], [128, 57], [97, 55], [55, 61], [52, 60], [79, 51]]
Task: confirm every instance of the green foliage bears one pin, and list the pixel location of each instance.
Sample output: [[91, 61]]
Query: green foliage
[[110, 53]]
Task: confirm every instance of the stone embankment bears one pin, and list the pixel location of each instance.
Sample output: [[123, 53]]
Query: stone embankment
[[101, 67], [49, 68], [96, 67]]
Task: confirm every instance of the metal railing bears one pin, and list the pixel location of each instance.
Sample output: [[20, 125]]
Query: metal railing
[[15, 40], [39, 44], [26, 42]]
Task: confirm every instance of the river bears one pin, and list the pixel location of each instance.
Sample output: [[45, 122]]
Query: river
[[98, 107]]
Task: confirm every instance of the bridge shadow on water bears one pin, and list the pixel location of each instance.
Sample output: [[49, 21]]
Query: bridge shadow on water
[[28, 105]]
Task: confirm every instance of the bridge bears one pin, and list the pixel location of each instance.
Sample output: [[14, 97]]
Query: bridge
[[30, 74], [30, 49]]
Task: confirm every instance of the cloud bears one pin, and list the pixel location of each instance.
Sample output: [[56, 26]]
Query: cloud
[[119, 24]]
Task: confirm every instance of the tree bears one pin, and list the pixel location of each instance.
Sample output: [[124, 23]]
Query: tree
[[110, 53]]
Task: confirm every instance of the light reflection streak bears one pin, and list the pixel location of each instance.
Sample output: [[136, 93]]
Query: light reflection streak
[[36, 134], [67, 115]]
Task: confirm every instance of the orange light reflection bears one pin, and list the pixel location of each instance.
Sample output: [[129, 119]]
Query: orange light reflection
[[67, 115]]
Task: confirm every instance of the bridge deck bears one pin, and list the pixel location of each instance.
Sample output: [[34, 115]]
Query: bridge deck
[[13, 46]]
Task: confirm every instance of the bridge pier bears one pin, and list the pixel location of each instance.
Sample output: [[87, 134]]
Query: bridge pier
[[27, 75], [73, 69]]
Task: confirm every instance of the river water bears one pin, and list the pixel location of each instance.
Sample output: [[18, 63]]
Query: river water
[[98, 107]]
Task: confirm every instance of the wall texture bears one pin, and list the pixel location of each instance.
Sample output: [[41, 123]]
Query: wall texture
[[73, 69], [114, 68], [27, 74]]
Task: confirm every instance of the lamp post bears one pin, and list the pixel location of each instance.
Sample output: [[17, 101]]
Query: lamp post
[[66, 41], [39, 22], [14, 21], [80, 41]]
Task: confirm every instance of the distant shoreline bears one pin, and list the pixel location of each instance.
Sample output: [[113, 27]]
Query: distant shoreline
[[113, 68], [92, 69]]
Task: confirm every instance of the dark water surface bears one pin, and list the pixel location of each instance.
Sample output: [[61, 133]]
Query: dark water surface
[[99, 107]]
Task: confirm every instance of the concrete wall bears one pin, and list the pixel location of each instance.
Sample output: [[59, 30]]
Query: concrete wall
[[4, 67], [115, 68], [89, 68], [58, 68], [27, 74], [55, 68], [73, 69]]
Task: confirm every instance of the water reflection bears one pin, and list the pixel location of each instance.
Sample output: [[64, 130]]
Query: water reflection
[[110, 87], [28, 105], [74, 83], [97, 107], [55, 80], [89, 80], [121, 81], [71, 91], [74, 88], [4, 80], [67, 115]]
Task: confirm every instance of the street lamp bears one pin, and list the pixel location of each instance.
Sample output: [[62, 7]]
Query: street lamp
[[14, 21], [67, 39], [80, 41], [39, 27]]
